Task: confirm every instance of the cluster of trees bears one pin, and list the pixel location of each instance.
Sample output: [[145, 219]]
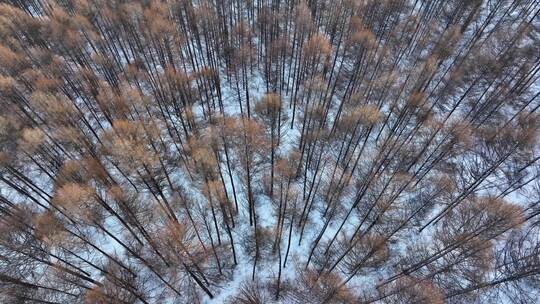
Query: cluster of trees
[[297, 151]]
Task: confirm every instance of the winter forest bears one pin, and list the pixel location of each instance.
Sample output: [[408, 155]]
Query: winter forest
[[270, 151]]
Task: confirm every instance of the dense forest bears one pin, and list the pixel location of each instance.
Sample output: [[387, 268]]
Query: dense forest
[[270, 151]]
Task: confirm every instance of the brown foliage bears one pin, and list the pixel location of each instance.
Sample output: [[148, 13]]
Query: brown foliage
[[325, 288], [317, 46], [488, 215], [413, 290], [49, 229], [79, 200], [133, 137], [137, 123]]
